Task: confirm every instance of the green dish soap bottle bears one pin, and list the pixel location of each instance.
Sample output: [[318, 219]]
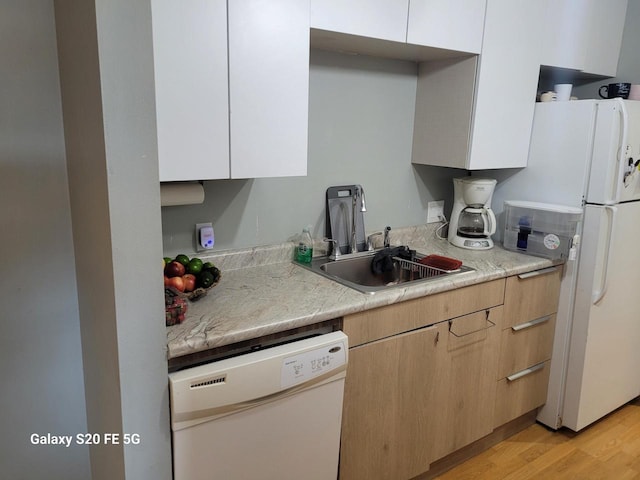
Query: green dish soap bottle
[[304, 250]]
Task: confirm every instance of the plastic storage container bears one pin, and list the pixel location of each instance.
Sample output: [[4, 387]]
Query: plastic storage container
[[540, 229]]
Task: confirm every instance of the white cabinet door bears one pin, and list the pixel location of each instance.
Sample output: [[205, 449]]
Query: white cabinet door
[[190, 56], [382, 19], [268, 87], [506, 85], [606, 24], [451, 24], [583, 35], [563, 33]]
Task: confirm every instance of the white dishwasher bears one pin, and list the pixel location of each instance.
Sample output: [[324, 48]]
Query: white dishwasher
[[273, 414]]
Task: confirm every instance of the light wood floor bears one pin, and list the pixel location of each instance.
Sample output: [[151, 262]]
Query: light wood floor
[[606, 450]]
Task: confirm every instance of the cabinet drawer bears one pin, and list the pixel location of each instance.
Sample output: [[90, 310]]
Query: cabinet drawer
[[520, 393], [382, 322], [526, 344], [532, 295]]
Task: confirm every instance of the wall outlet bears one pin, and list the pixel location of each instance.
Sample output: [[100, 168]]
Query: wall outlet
[[435, 211], [205, 239]]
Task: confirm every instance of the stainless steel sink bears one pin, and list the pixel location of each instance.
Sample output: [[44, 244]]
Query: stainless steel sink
[[355, 271]]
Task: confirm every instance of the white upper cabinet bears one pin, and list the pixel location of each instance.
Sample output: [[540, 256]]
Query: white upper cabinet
[[454, 25], [191, 81], [506, 85], [232, 88], [563, 33], [268, 87], [382, 19], [606, 24], [451, 24], [477, 114], [583, 35]]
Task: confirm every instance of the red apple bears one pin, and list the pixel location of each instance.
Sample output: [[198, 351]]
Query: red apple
[[189, 282], [174, 269], [177, 283]]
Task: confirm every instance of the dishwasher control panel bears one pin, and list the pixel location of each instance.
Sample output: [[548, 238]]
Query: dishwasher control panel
[[304, 366]]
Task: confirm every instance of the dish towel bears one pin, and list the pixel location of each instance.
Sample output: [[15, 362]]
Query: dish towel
[[383, 260]]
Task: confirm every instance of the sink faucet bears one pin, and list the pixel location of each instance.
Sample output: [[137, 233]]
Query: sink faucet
[[335, 251], [387, 242], [357, 194]]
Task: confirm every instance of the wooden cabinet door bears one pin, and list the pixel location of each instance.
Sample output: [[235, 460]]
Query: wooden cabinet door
[[450, 24], [382, 19], [387, 423], [464, 406], [268, 87], [191, 82]]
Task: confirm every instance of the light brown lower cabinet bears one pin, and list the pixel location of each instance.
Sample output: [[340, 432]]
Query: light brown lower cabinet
[[521, 392], [417, 396], [428, 377], [463, 410], [387, 422], [530, 306]]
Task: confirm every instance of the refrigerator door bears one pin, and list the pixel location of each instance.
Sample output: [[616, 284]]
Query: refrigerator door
[[614, 174], [629, 189], [604, 351]]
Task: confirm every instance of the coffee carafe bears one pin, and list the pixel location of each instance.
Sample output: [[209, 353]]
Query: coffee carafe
[[472, 220]]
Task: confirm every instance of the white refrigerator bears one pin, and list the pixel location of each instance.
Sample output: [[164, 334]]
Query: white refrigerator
[[586, 154]]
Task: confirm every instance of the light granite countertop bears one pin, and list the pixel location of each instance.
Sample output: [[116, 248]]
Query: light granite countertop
[[263, 292]]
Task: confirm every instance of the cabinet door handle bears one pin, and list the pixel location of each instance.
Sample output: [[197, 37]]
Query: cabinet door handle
[[537, 273], [532, 323], [488, 325], [525, 372]]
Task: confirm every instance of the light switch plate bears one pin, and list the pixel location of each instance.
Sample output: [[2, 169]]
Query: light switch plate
[[204, 237], [435, 211]]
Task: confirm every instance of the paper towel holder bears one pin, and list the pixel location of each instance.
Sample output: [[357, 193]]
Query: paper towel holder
[[181, 193]]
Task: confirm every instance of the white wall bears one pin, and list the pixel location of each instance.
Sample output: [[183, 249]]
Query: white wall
[[106, 71], [40, 350], [361, 112]]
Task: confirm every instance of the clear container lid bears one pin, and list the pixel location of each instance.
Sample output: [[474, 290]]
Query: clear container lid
[[547, 207]]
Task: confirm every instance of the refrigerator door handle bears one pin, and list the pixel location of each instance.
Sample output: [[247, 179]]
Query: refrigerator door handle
[[601, 291], [620, 164]]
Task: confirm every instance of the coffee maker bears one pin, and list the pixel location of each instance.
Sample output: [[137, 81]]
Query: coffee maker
[[472, 220]]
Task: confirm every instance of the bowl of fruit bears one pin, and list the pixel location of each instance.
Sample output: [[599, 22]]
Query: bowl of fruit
[[190, 277]]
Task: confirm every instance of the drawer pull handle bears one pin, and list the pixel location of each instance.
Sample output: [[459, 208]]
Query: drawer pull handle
[[536, 273], [488, 325], [532, 323], [525, 372]]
